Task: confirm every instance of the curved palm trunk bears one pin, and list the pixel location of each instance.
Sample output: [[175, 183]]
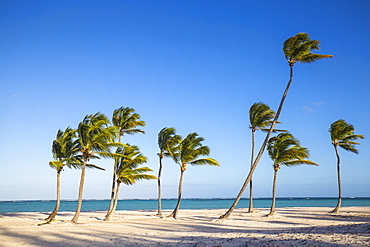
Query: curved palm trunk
[[113, 189], [80, 192], [336, 209], [251, 210], [57, 203], [159, 188], [174, 213], [113, 183], [272, 209], [111, 212], [249, 177]]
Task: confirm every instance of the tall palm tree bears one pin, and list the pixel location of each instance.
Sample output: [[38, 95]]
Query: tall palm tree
[[128, 171], [284, 149], [65, 150], [296, 49], [96, 138], [127, 122], [189, 151], [260, 118], [167, 141], [342, 135]]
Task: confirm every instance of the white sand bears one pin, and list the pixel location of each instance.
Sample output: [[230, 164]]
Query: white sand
[[289, 227]]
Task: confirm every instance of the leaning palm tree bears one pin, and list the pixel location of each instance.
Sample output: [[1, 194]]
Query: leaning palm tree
[[128, 171], [127, 122], [296, 49], [284, 149], [189, 151], [167, 142], [260, 118], [96, 138], [342, 135], [65, 150]]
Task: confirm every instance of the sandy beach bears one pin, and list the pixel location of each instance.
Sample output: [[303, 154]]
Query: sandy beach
[[289, 227]]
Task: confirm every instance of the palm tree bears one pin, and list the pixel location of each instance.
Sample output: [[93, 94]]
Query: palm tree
[[260, 118], [342, 135], [284, 149], [128, 171], [167, 140], [65, 150], [296, 49], [189, 151], [96, 138], [127, 122]]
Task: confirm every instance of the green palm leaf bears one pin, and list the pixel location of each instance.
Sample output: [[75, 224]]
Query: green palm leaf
[[205, 161], [284, 149], [299, 49]]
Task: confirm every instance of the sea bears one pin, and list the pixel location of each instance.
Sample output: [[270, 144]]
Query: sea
[[188, 203]]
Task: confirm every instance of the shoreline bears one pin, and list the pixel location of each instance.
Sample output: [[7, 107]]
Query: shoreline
[[291, 226]]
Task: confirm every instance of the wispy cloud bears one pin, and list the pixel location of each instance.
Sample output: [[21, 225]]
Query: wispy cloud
[[310, 109], [318, 103]]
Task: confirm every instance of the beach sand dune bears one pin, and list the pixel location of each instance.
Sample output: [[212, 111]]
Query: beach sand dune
[[289, 227]]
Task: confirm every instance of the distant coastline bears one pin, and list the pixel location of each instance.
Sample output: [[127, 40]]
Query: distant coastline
[[12, 206]]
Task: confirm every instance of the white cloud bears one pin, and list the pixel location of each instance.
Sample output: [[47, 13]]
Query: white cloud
[[308, 110]]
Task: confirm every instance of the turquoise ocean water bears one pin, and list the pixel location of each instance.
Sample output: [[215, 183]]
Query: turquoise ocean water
[[151, 204]]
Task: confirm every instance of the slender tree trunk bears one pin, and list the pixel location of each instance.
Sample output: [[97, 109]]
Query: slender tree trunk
[[251, 210], [113, 182], [272, 209], [111, 212], [174, 213], [336, 209], [249, 177], [159, 187], [113, 188], [80, 192], [57, 203]]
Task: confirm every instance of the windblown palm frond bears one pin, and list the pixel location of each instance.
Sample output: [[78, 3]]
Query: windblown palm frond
[[127, 121], [65, 150], [299, 49], [127, 166], [342, 135], [167, 141], [284, 149], [205, 161]]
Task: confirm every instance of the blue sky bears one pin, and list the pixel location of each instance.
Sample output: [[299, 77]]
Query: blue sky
[[197, 66]]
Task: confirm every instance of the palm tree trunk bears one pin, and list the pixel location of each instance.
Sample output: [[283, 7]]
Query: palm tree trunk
[[159, 188], [336, 209], [251, 210], [57, 203], [113, 188], [113, 182], [174, 213], [80, 192], [249, 177], [272, 209], [111, 212]]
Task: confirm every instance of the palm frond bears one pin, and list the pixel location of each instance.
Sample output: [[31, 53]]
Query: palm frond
[[127, 121], [284, 149], [92, 166], [341, 133], [57, 165], [309, 58], [205, 161], [298, 49], [300, 162]]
